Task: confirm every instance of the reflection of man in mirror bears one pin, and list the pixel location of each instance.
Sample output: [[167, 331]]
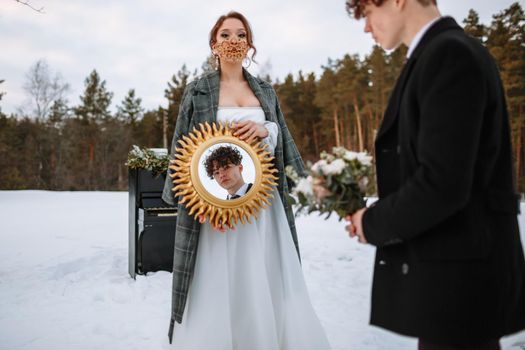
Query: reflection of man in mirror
[[224, 164]]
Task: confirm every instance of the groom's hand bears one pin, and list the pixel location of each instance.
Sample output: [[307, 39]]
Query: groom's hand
[[355, 228]]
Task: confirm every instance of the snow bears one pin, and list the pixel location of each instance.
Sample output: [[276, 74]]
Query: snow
[[64, 281]]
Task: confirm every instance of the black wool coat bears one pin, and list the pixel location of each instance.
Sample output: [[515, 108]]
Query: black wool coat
[[449, 264]]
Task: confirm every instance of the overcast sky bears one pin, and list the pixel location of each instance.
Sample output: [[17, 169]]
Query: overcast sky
[[140, 44]]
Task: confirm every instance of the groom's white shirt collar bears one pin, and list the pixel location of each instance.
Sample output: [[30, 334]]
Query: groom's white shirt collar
[[419, 35], [241, 191]]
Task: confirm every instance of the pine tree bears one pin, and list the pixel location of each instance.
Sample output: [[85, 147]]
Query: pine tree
[[11, 160], [351, 82], [175, 89], [396, 62], [506, 42], [58, 115], [310, 116], [328, 100], [77, 156], [131, 111], [149, 130], [95, 101], [289, 100], [288, 93], [129, 115], [93, 113], [473, 27], [174, 95]]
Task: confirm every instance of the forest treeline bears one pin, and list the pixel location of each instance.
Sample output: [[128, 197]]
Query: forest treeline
[[54, 145]]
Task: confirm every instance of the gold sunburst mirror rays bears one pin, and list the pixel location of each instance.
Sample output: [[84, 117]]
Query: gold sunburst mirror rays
[[201, 196]]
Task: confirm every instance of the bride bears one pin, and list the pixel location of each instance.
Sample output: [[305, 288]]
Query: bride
[[243, 288]]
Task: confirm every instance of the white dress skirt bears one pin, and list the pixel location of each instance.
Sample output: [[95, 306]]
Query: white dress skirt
[[248, 291]]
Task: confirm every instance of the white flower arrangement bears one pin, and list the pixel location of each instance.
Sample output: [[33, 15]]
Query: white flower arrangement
[[337, 182]]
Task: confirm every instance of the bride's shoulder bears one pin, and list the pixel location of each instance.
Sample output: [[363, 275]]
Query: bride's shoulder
[[204, 82], [208, 75]]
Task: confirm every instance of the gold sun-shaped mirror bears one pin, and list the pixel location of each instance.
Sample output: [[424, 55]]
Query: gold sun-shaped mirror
[[206, 189]]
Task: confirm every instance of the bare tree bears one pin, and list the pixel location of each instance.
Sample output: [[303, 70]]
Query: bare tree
[[42, 90], [28, 4]]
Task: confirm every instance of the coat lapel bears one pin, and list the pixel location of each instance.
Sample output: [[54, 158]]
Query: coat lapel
[[392, 110], [395, 100]]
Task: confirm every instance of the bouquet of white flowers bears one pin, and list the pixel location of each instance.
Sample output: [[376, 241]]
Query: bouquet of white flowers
[[337, 182]]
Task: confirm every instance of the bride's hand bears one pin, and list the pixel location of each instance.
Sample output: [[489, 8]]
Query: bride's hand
[[220, 228], [248, 130]]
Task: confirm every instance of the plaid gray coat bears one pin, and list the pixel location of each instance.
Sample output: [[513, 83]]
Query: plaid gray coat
[[199, 104]]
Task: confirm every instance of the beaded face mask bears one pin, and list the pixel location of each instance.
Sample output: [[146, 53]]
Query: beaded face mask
[[232, 51]]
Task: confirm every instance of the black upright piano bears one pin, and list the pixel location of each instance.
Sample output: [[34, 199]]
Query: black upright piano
[[151, 224]]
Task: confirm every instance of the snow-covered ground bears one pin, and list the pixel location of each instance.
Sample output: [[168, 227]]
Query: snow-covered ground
[[64, 280]]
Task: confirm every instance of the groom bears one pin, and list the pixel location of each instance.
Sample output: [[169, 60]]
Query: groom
[[449, 265], [224, 165]]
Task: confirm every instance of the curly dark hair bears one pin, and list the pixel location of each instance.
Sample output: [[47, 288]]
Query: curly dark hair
[[222, 156], [355, 7]]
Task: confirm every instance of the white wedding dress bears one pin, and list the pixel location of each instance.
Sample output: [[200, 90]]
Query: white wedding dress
[[248, 290]]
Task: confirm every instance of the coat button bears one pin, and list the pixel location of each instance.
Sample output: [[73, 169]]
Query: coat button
[[404, 268]]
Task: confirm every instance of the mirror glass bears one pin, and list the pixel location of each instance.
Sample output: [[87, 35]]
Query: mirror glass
[[227, 177]]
